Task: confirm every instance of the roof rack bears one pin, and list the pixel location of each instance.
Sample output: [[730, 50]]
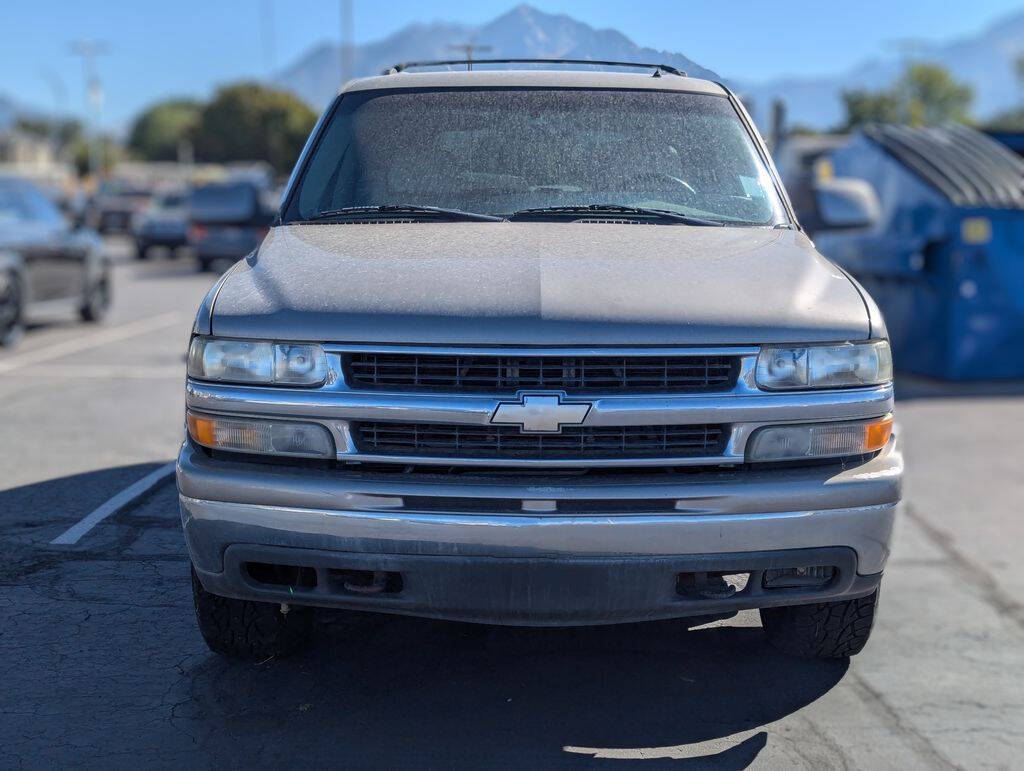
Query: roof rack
[[658, 68]]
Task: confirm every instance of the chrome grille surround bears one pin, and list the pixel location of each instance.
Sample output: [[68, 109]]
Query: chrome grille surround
[[339, 407]]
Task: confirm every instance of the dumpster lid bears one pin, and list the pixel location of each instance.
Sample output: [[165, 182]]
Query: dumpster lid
[[964, 165]]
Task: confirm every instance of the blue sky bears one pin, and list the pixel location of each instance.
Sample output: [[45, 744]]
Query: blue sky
[[158, 49]]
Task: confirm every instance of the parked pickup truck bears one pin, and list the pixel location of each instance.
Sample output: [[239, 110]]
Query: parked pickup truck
[[537, 347]]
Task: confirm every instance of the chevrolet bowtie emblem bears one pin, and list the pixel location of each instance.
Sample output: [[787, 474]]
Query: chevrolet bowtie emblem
[[540, 413]]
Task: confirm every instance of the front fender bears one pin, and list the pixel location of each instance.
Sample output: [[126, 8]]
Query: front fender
[[203, 324]]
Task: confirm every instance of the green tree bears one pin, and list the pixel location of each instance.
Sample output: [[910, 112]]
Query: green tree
[[934, 97], [250, 122], [871, 107], [64, 131], [925, 95], [157, 133]]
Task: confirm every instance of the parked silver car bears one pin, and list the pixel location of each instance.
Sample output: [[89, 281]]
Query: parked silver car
[[539, 347], [47, 266]]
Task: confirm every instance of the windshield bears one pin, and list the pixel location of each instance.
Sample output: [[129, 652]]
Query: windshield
[[499, 151]]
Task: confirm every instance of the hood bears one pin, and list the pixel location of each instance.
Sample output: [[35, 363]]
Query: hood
[[538, 284]]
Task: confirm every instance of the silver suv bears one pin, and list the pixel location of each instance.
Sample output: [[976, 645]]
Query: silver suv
[[537, 347]]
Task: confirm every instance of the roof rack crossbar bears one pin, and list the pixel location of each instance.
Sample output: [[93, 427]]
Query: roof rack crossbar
[[468, 63]]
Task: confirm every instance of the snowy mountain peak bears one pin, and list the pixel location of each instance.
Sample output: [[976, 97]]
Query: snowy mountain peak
[[521, 32]]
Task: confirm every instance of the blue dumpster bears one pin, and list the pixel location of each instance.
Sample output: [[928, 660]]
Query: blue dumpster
[[945, 258]]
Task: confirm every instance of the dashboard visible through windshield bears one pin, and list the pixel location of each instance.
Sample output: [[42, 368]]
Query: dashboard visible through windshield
[[502, 151]]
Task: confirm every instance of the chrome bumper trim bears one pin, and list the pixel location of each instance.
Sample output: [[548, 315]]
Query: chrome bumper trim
[[212, 526], [335, 407]]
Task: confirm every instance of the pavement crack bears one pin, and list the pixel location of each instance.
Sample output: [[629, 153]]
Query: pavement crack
[[918, 742], [829, 743], [971, 572]]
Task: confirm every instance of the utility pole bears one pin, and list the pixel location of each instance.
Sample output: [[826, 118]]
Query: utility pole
[[468, 49], [347, 53], [90, 50], [267, 30]]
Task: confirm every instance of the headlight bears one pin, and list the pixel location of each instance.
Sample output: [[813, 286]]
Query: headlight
[[265, 437], [254, 361], [819, 440], [824, 366]]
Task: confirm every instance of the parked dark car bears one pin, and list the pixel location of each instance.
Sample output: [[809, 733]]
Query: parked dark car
[[46, 265], [115, 205], [931, 222], [163, 224], [227, 220]]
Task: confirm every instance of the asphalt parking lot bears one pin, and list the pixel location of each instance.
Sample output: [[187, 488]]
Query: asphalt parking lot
[[102, 664]]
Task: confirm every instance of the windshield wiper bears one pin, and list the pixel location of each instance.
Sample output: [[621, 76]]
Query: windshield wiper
[[411, 209], [614, 208]]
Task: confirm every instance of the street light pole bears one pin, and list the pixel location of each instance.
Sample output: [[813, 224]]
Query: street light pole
[[90, 50]]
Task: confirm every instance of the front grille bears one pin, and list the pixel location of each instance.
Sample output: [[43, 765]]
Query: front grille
[[445, 440], [573, 374]]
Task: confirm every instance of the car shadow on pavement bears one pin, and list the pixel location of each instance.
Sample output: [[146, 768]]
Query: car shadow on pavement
[[113, 615], [387, 691]]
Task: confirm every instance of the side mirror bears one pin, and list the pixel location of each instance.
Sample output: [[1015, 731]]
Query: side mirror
[[845, 203]]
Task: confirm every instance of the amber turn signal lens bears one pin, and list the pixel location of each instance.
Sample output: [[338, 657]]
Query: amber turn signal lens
[[819, 440], [201, 429], [877, 433], [265, 437]]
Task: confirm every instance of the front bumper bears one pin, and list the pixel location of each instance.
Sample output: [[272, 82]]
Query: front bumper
[[531, 554]]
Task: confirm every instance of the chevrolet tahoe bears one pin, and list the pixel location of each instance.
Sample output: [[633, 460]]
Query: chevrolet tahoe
[[537, 346]]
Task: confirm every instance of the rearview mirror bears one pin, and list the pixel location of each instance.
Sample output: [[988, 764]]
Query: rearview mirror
[[846, 203]]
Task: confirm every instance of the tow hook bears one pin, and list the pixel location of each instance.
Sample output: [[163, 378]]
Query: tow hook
[[708, 586]]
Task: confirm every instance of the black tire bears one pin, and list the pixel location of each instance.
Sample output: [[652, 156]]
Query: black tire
[[141, 251], [825, 630], [11, 308], [97, 301], [247, 630]]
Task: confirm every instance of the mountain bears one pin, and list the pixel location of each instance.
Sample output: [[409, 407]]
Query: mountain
[[522, 32], [985, 61]]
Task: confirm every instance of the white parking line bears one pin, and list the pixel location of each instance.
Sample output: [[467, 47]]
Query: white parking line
[[85, 342], [115, 504], [106, 371]]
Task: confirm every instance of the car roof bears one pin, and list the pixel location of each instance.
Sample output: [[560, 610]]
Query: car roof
[[510, 78]]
